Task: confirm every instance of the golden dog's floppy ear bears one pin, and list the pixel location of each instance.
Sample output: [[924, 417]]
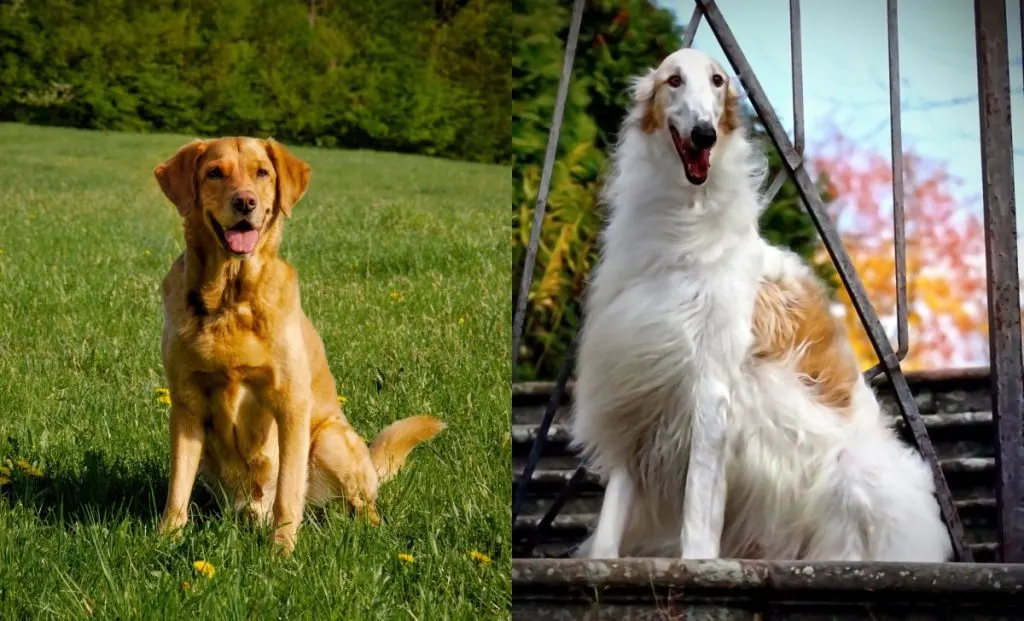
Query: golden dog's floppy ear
[[292, 175], [177, 176]]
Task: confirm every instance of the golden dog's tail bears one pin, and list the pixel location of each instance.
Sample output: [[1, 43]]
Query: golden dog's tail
[[392, 445]]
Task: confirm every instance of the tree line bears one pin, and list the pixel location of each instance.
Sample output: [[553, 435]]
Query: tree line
[[397, 75]]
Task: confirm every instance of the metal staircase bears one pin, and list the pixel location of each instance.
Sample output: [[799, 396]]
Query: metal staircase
[[548, 585], [954, 406]]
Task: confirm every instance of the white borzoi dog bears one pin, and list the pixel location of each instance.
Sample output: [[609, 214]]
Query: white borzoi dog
[[716, 395]]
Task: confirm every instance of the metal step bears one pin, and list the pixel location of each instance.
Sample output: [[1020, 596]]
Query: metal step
[[958, 434], [730, 590]]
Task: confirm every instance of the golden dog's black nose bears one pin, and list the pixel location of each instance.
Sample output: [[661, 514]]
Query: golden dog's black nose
[[244, 201]]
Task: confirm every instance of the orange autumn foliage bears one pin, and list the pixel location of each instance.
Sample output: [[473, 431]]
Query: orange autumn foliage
[[946, 294]]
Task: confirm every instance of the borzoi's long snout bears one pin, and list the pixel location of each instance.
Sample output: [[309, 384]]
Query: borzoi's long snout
[[694, 114]]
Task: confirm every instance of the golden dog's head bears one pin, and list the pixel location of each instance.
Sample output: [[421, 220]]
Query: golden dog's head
[[233, 189]]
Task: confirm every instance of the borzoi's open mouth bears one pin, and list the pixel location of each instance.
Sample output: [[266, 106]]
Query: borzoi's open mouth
[[696, 162], [240, 239]]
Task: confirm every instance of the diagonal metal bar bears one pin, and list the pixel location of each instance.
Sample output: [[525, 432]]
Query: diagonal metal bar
[[775, 186], [545, 183], [833, 244], [691, 27], [554, 509], [1004, 321], [537, 449]]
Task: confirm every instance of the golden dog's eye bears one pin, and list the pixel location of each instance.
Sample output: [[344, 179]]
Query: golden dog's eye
[[717, 80], [215, 173], [262, 172], [674, 81]]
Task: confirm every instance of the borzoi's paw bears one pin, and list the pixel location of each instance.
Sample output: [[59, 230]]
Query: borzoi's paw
[[592, 549], [604, 551], [700, 548]]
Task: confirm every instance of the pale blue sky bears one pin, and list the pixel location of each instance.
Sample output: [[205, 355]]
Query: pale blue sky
[[846, 73]]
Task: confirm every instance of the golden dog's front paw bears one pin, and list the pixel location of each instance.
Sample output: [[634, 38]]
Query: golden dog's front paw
[[172, 528], [284, 545], [284, 539], [371, 515]]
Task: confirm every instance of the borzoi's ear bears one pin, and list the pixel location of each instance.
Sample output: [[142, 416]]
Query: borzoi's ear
[[645, 94], [730, 119], [645, 86]]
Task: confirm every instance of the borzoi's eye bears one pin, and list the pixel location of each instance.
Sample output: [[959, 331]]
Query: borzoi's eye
[[717, 80], [214, 173], [262, 172], [674, 81]]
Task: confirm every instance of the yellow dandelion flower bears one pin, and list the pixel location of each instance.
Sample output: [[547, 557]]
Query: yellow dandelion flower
[[162, 391], [396, 296], [480, 557], [406, 558], [462, 320], [28, 468], [342, 399], [204, 568], [4, 481]]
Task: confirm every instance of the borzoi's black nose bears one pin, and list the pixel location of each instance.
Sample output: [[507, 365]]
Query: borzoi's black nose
[[703, 135]]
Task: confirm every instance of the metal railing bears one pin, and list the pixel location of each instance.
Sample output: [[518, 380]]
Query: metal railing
[[1000, 242]]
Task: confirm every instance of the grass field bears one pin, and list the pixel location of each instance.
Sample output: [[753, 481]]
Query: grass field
[[404, 269]]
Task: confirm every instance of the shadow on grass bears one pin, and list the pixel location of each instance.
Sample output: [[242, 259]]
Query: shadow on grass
[[101, 489]]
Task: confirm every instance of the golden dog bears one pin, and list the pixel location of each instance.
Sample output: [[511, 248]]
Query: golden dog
[[254, 409]]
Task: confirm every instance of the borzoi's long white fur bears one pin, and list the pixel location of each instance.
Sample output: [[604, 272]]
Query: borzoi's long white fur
[[708, 450]]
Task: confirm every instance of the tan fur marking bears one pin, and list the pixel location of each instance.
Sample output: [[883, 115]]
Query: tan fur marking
[[653, 118], [792, 318], [730, 119]]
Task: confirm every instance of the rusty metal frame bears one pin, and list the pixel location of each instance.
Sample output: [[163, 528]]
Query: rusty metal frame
[[550, 151], [1003, 282], [1000, 255]]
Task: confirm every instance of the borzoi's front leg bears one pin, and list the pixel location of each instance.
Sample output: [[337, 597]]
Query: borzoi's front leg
[[619, 496], [704, 496]]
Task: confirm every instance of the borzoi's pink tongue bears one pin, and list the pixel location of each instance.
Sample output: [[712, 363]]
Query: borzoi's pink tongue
[[698, 163], [242, 242]]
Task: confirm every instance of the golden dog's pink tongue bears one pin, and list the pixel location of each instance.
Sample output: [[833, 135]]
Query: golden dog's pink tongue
[[242, 242]]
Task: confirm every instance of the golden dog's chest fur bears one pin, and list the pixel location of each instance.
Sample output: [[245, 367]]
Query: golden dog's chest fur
[[254, 408]]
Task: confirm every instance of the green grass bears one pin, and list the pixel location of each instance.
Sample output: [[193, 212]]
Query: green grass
[[85, 239]]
